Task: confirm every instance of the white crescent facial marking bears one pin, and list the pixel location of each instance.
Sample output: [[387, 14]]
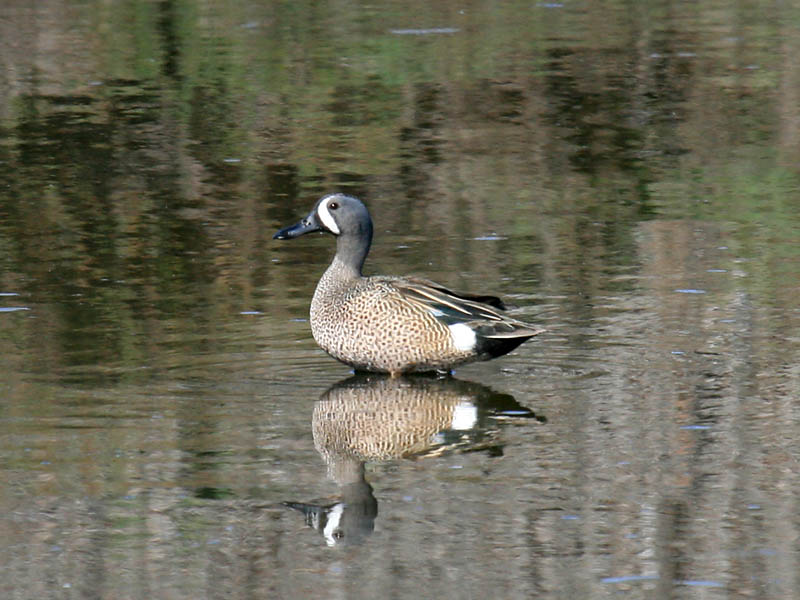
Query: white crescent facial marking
[[463, 337], [334, 517], [326, 217]]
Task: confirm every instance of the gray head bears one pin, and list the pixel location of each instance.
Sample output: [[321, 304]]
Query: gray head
[[346, 218]]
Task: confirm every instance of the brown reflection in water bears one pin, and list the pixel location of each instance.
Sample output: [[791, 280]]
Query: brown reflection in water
[[368, 419]]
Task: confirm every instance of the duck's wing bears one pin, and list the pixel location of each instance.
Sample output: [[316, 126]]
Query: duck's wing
[[492, 301], [435, 298], [476, 311]]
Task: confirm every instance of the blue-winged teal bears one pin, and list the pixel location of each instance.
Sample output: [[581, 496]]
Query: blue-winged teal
[[395, 324]]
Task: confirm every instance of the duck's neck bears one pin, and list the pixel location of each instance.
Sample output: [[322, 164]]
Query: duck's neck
[[351, 251], [339, 271]]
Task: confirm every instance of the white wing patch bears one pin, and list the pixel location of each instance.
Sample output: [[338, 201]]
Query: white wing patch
[[326, 217], [463, 337]]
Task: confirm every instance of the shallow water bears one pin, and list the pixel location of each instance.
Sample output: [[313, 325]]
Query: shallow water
[[624, 175]]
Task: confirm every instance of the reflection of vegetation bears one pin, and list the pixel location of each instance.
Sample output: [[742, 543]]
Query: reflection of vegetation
[[138, 162], [757, 201]]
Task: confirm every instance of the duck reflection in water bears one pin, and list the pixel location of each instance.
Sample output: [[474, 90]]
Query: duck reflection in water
[[369, 418]]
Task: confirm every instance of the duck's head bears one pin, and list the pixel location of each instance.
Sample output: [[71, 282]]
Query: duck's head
[[338, 214]]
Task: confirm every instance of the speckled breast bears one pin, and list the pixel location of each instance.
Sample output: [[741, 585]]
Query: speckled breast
[[367, 324]]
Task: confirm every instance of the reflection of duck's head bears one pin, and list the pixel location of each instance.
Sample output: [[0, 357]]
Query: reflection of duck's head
[[352, 518], [375, 418]]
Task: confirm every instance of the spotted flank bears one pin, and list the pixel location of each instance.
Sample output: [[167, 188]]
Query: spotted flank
[[396, 324]]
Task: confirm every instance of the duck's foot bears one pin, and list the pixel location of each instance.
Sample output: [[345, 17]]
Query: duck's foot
[[438, 373]]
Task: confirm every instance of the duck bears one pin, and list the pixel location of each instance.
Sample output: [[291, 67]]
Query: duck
[[392, 324]]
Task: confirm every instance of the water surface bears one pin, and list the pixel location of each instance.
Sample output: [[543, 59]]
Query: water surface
[[624, 175]]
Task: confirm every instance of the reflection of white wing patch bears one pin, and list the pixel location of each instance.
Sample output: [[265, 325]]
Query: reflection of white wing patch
[[326, 217], [465, 416], [463, 336]]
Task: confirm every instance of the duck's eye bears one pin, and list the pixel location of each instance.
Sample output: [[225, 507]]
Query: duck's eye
[[333, 205]]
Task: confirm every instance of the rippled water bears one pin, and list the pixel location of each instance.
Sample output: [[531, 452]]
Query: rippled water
[[624, 175]]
